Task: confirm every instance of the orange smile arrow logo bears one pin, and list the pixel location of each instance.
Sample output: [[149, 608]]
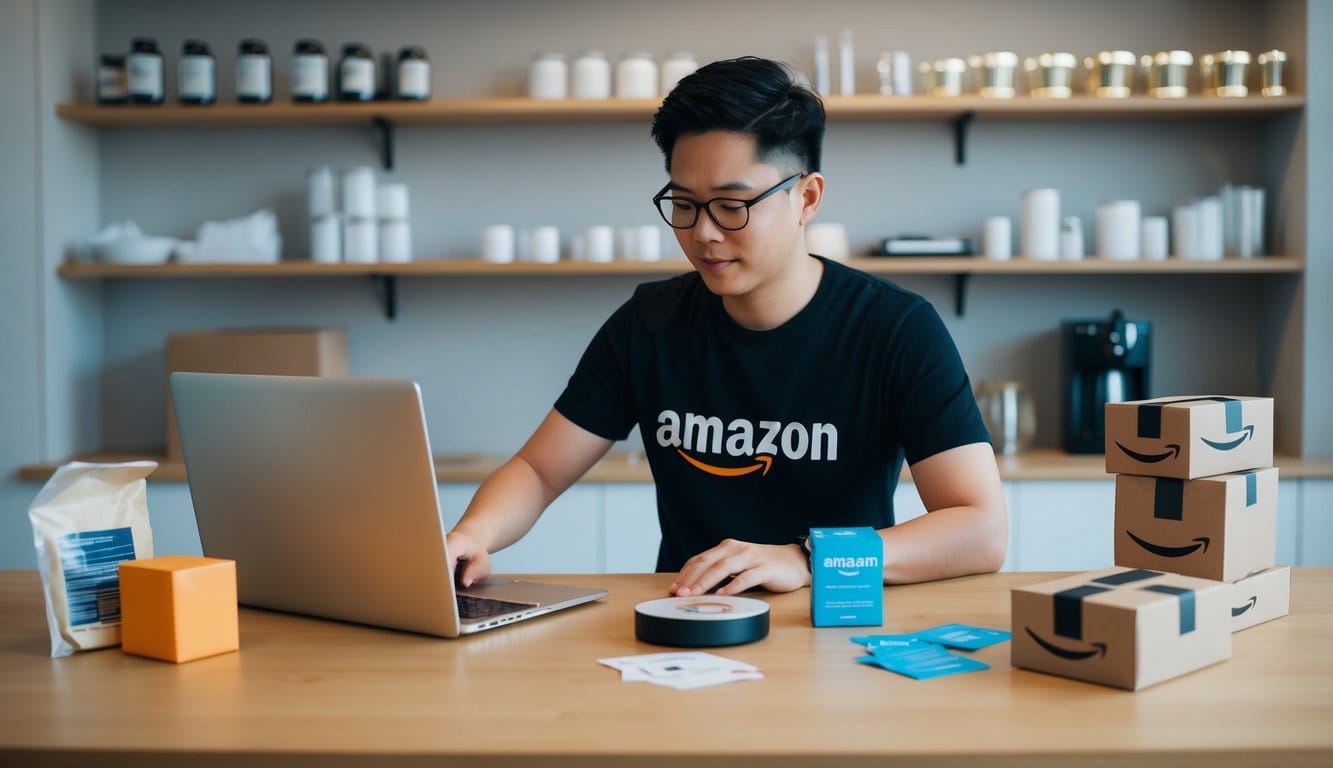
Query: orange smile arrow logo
[[764, 462]]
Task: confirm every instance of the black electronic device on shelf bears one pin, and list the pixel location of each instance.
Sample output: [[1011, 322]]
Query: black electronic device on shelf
[[1102, 361]]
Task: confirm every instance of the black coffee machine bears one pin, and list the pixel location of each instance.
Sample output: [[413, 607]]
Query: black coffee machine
[[1103, 361]]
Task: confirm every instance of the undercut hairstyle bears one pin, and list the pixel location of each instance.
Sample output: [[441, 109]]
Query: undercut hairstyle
[[752, 96]]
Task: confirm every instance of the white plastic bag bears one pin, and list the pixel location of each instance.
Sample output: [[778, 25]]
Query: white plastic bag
[[86, 520]]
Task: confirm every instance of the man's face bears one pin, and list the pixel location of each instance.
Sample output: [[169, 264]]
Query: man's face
[[723, 164]]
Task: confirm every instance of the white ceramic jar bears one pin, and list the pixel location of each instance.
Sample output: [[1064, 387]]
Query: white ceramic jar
[[675, 68], [636, 76], [590, 77], [549, 77]]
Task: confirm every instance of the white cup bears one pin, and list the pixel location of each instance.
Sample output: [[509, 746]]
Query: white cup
[[321, 198], [497, 244], [549, 77], [648, 243], [360, 241], [359, 192], [544, 243], [391, 201], [997, 238], [627, 246], [1040, 233], [1185, 232], [395, 241], [1071, 238], [827, 240], [1154, 238], [599, 244], [1118, 235], [326, 239]]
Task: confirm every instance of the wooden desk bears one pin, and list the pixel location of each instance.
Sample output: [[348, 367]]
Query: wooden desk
[[308, 692]]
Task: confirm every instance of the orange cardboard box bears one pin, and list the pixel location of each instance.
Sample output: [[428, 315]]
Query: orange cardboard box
[[1262, 597], [1122, 627], [1189, 437], [271, 351], [1222, 527], [178, 608]]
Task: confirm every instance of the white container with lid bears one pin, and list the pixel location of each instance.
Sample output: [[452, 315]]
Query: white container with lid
[[675, 68], [326, 239], [358, 187], [590, 77], [395, 246], [320, 192], [636, 76], [360, 240], [549, 77]]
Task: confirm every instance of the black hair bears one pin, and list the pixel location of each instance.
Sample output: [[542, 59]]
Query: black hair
[[749, 95]]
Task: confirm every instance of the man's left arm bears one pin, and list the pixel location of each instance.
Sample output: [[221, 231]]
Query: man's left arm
[[966, 528]]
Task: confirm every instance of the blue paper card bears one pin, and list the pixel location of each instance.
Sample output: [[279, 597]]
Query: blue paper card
[[923, 663], [963, 636], [873, 642]]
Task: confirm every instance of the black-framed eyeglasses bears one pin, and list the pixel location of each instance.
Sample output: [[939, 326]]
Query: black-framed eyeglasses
[[727, 213]]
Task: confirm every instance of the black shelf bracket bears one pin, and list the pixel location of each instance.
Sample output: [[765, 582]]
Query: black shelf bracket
[[960, 126], [385, 128], [960, 293], [390, 285]]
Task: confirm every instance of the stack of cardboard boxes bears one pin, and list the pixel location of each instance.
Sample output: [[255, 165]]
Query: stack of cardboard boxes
[[1195, 549]]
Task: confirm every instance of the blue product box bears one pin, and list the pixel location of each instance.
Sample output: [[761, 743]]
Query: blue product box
[[846, 577]]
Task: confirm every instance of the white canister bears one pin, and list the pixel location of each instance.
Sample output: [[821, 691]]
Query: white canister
[[1118, 235], [391, 201], [321, 199], [1154, 238], [1208, 213], [326, 239], [1071, 238], [360, 240], [548, 77], [627, 246], [1040, 229], [497, 244], [358, 187], [675, 68], [590, 77], [997, 238], [395, 241], [1185, 232], [636, 76], [544, 244], [648, 243], [599, 244]]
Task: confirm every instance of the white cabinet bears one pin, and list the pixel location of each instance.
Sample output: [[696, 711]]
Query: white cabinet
[[1316, 541], [632, 534], [1063, 525]]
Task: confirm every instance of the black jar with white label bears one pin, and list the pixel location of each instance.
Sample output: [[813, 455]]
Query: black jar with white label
[[413, 74], [196, 81], [143, 72], [111, 80], [356, 73], [254, 73], [310, 72]]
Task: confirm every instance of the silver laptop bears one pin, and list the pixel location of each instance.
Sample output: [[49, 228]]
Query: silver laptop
[[323, 492]]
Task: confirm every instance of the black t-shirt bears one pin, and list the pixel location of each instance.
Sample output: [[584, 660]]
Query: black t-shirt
[[761, 435]]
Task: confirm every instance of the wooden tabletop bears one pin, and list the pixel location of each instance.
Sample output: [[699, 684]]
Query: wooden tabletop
[[309, 692]]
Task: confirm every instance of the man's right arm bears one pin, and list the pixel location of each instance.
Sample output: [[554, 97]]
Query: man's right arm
[[508, 504]]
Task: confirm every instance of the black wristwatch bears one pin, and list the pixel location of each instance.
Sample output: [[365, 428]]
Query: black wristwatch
[[803, 541]]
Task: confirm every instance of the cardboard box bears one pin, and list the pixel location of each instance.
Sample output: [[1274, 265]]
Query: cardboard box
[[1189, 437], [1122, 627], [846, 577], [1222, 527], [178, 608], [1262, 597], [273, 351]]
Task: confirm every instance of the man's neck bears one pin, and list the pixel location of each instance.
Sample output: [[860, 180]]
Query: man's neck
[[773, 304]]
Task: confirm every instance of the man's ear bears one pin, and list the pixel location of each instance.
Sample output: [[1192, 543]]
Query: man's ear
[[812, 195]]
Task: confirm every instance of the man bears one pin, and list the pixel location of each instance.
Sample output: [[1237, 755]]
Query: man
[[775, 391]]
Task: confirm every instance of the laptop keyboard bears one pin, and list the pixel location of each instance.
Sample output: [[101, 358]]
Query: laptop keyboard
[[470, 607]]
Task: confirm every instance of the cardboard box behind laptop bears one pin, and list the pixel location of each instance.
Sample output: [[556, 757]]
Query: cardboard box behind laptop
[[1122, 627], [1222, 527], [273, 351], [1189, 437]]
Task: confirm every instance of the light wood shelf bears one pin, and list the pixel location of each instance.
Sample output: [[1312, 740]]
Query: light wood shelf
[[632, 467], [865, 107], [882, 265]]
